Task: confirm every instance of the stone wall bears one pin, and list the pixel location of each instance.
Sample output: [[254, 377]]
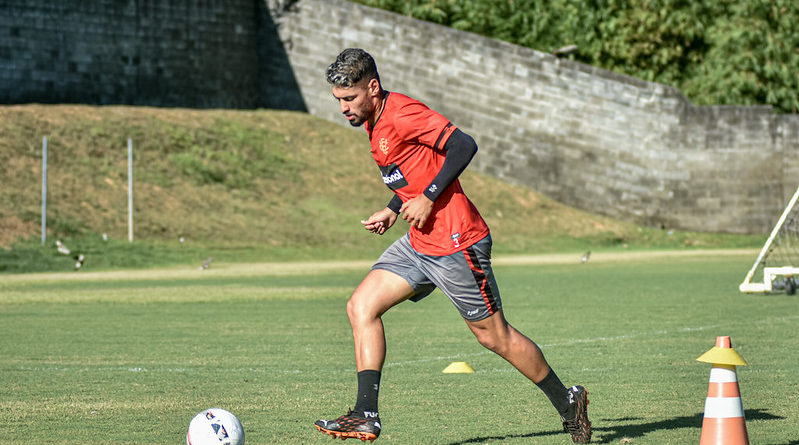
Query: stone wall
[[590, 138], [188, 53]]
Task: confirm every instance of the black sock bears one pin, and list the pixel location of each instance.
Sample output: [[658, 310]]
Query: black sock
[[368, 387], [557, 393]]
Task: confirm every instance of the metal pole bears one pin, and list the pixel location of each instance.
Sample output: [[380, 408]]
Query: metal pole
[[44, 189], [130, 190]]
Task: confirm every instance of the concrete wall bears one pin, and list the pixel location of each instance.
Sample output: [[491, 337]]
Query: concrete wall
[[590, 138], [193, 53], [594, 139]]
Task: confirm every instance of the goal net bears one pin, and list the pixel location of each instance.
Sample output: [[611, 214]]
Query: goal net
[[778, 261]]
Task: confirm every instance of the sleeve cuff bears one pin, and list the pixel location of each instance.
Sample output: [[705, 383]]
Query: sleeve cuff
[[395, 204], [433, 191]]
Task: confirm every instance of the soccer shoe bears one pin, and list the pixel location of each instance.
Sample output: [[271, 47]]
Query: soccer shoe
[[350, 426], [577, 423]]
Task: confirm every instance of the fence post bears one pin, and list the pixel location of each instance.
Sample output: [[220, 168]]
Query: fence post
[[44, 189], [130, 190]]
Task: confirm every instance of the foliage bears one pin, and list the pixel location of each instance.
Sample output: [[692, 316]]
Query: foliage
[[717, 52], [753, 57], [657, 40]]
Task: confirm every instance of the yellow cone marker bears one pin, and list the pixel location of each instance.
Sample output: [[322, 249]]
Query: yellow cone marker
[[458, 368], [722, 354]]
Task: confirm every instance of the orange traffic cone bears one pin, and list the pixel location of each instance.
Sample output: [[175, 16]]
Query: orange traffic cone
[[724, 422]]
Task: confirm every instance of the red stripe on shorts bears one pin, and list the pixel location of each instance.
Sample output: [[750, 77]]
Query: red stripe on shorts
[[481, 279]]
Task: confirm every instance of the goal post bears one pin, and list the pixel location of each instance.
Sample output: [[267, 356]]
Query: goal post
[[779, 257]]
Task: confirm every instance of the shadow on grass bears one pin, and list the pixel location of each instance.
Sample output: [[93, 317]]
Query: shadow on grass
[[630, 428]]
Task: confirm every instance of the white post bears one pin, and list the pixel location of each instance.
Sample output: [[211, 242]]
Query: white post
[[747, 285], [130, 190], [44, 189]]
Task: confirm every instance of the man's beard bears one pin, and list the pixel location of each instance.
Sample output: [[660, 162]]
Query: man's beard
[[357, 122]]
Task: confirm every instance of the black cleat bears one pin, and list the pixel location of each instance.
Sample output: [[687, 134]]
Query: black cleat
[[576, 421], [350, 426]]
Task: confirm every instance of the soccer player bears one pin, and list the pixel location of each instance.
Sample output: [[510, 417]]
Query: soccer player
[[421, 154]]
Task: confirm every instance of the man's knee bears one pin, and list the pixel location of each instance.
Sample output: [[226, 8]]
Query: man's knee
[[376, 294], [494, 333], [358, 309], [363, 307], [492, 339], [487, 340]]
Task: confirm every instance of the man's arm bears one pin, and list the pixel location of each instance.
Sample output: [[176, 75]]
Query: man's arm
[[460, 149]]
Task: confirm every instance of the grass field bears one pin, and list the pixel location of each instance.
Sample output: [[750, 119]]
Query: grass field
[[131, 356], [129, 348]]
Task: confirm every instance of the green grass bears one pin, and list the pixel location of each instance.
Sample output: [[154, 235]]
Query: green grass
[[131, 356]]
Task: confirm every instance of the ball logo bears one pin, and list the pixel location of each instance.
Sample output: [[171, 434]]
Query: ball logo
[[384, 145], [220, 431]]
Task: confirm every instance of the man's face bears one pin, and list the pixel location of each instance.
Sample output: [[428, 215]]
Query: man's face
[[357, 102]]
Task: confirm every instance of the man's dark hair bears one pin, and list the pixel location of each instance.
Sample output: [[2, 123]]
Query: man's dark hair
[[350, 67]]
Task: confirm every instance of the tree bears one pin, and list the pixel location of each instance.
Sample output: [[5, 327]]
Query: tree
[[715, 51], [753, 57]]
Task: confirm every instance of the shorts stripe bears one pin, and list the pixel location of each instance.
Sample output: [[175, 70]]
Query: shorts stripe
[[481, 279]]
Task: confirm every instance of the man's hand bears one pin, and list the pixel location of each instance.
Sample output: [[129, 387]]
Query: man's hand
[[380, 221], [417, 210]]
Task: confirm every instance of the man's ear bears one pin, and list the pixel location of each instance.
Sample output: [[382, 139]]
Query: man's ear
[[374, 87]]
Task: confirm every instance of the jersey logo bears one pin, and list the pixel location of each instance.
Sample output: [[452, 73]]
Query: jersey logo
[[456, 239], [384, 145], [393, 177]]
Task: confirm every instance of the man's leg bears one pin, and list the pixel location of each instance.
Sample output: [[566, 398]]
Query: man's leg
[[496, 334], [499, 336], [376, 294]]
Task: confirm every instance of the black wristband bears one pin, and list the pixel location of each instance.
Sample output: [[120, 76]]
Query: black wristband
[[395, 204]]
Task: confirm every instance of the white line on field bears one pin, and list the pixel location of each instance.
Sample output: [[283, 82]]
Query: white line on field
[[267, 370], [602, 339]]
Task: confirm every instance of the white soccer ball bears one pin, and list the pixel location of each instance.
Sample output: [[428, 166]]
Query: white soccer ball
[[215, 426]]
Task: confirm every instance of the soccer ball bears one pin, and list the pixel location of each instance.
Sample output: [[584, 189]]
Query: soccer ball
[[215, 426]]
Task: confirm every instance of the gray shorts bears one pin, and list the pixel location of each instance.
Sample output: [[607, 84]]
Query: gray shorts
[[465, 276]]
